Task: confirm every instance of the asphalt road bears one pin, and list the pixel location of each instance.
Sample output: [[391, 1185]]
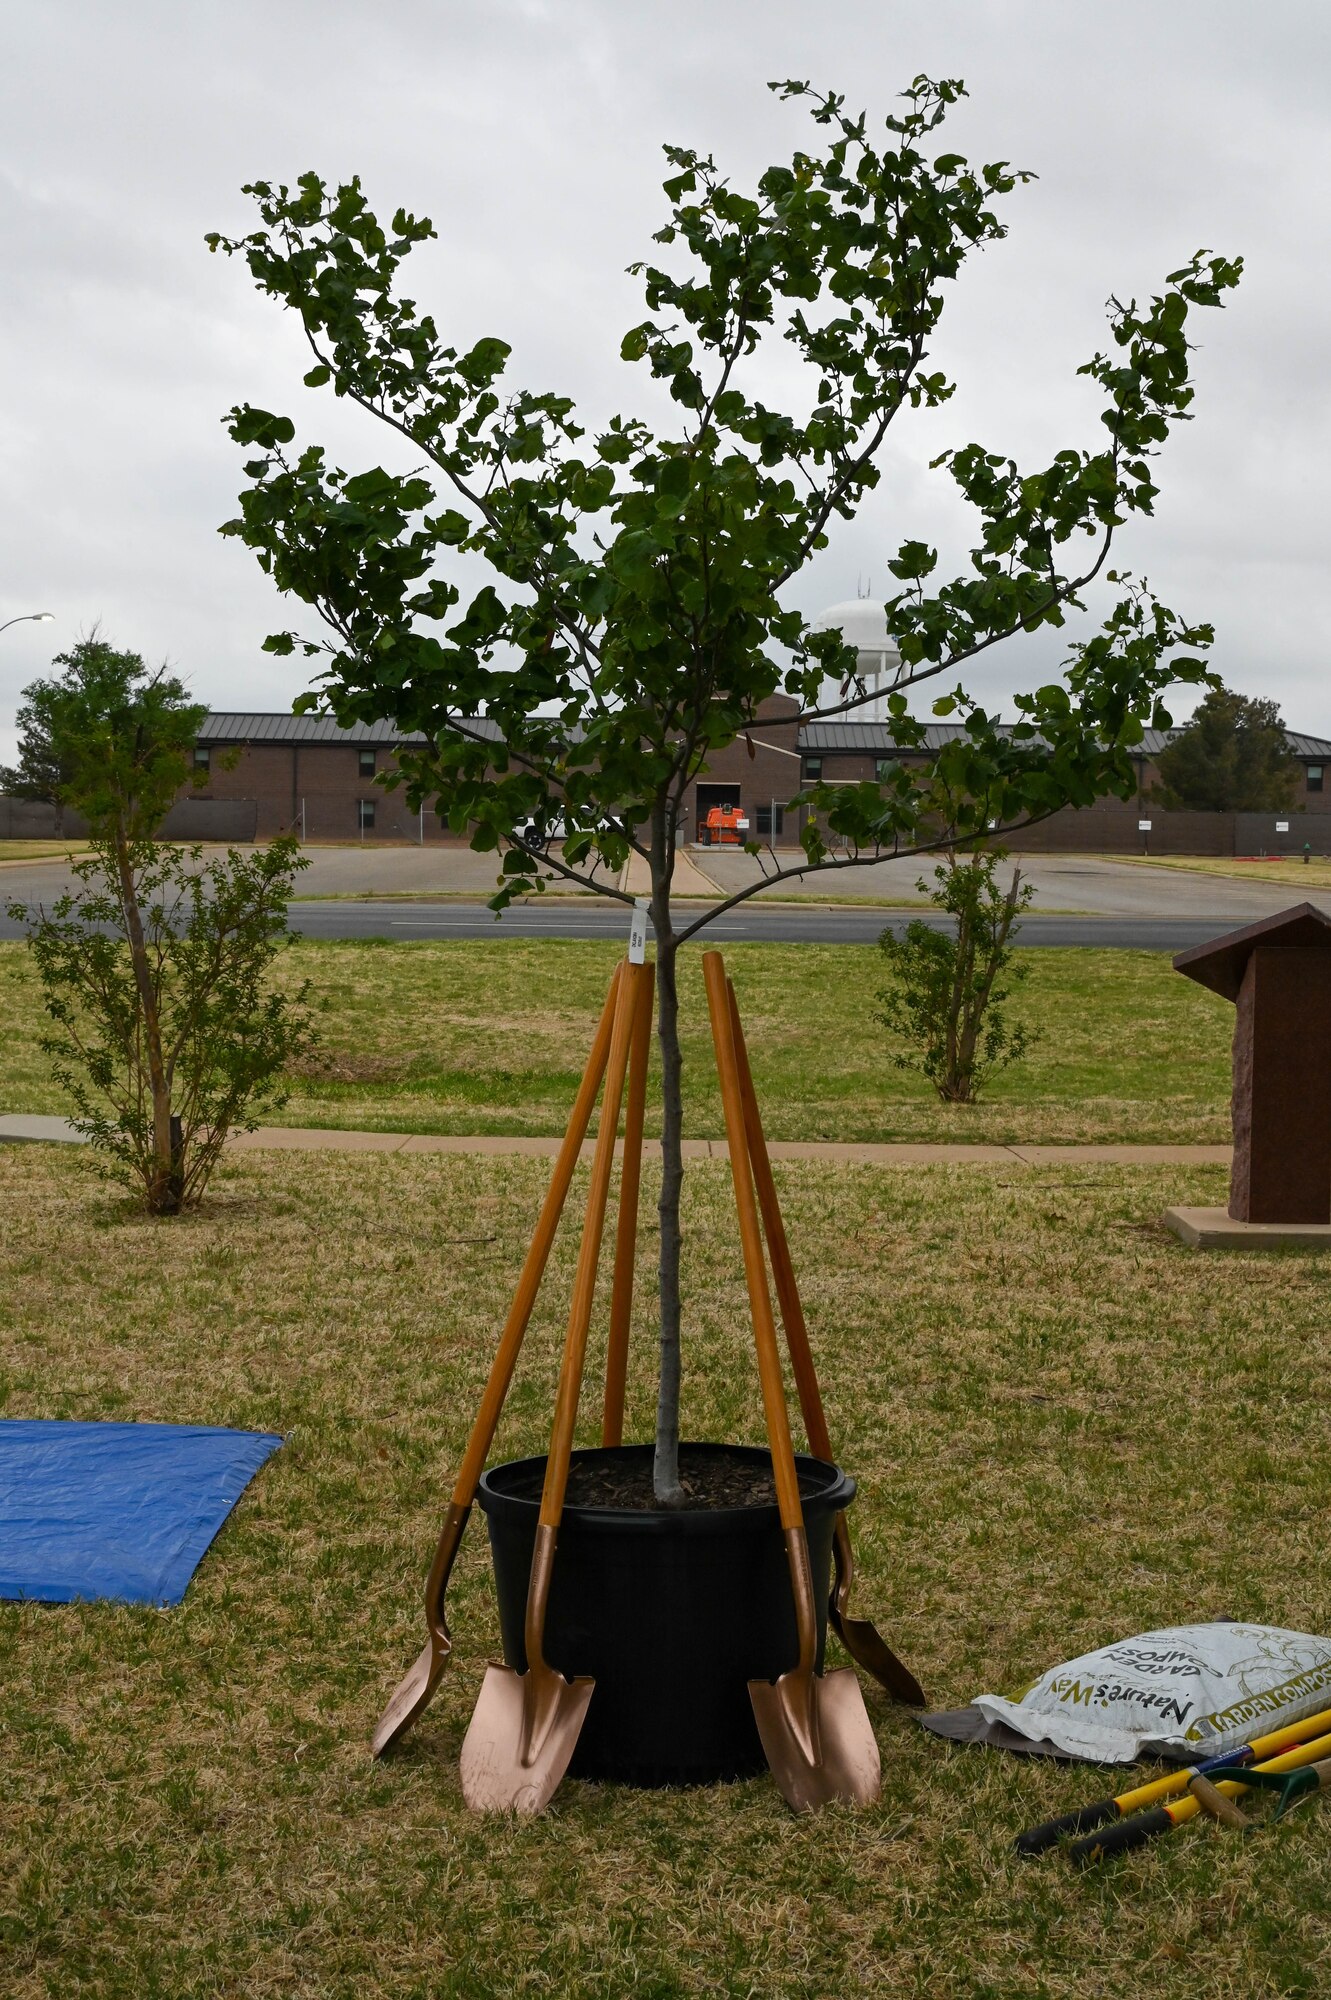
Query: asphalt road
[[750, 923], [1078, 900]]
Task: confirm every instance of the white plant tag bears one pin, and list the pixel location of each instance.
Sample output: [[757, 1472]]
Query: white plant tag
[[638, 932]]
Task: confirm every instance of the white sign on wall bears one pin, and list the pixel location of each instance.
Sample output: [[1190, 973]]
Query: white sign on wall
[[1282, 826], [1143, 826]]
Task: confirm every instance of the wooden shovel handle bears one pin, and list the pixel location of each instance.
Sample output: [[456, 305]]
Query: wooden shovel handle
[[589, 1254], [778, 1249], [533, 1269], [626, 1235], [755, 1270]]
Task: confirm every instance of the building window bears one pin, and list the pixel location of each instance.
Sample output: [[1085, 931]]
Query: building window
[[883, 767], [771, 820], [367, 763], [365, 807], [813, 770], [202, 757], [1315, 777]]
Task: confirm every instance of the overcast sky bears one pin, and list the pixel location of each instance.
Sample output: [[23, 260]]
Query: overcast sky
[[530, 132]]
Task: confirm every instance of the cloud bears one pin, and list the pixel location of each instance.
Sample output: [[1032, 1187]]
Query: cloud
[[531, 134]]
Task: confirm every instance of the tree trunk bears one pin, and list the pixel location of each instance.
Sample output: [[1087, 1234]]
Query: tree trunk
[[665, 1469], [163, 1187]]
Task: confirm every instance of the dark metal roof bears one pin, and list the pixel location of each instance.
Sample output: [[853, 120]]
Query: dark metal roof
[[832, 738], [876, 739], [227, 727]]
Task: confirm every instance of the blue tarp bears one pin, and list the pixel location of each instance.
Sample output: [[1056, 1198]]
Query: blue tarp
[[116, 1510]]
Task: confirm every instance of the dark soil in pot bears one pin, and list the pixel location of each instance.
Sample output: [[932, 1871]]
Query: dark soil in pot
[[671, 1612]]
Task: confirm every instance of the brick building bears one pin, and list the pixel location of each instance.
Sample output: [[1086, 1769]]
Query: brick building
[[308, 775]]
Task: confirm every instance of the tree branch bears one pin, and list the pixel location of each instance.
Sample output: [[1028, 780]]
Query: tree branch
[[856, 860]]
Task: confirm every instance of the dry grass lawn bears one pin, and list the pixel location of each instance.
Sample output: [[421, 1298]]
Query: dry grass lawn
[[1314, 874], [1066, 1428], [40, 850], [484, 1036]]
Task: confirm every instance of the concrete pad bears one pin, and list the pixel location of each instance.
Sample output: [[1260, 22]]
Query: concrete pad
[[26, 1128], [1216, 1229], [1124, 1156], [688, 878]]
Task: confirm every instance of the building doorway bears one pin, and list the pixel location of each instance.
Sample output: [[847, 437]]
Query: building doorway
[[713, 801]]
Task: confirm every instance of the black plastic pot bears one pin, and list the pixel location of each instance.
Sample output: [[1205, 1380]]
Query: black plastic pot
[[671, 1613]]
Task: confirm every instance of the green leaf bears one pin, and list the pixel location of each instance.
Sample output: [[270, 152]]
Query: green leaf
[[251, 426]]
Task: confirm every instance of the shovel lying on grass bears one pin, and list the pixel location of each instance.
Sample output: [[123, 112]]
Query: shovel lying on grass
[[815, 1729], [861, 1639], [525, 1727], [413, 1694]]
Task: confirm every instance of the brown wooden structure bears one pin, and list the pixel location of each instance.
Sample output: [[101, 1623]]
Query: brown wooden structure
[[1278, 974]]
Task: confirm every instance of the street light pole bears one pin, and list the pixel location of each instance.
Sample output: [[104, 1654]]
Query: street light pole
[[29, 618]]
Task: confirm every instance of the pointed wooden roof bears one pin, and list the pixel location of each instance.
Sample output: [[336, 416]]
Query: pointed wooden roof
[[1221, 963]]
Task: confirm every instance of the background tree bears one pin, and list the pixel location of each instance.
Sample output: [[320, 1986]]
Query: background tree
[[151, 973], [947, 991], [39, 773], [1233, 756], [635, 619], [212, 1038]]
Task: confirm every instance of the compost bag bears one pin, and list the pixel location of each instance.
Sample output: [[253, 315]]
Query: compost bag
[[1185, 1692]]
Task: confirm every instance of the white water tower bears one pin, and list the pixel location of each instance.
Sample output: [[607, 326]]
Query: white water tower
[[862, 625]]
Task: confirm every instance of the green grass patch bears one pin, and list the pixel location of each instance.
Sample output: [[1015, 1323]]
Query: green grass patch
[[41, 850], [1065, 1426], [1313, 874], [480, 1036]]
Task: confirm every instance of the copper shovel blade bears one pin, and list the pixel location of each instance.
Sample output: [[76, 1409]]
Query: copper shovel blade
[[818, 1739], [870, 1650], [412, 1694], [521, 1737]]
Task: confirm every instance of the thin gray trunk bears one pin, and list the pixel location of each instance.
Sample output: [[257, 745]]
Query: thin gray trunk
[[164, 1179], [665, 1470]]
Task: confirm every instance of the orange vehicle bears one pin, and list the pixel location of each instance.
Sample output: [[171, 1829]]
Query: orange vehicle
[[724, 826]]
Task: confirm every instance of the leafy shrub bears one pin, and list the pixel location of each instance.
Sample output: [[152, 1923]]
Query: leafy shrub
[[948, 987], [179, 1022]]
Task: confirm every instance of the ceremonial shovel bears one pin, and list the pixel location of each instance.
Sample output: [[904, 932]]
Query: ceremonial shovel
[[414, 1692], [815, 1729], [525, 1726], [860, 1637]]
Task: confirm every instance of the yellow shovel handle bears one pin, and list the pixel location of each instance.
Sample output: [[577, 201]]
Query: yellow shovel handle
[[755, 1270]]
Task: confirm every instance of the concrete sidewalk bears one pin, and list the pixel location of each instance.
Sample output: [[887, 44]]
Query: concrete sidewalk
[[297, 1139], [688, 880]]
